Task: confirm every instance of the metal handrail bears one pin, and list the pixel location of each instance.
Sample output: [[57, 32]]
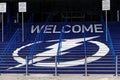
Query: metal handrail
[[86, 67]]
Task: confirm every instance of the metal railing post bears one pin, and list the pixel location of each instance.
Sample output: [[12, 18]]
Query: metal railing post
[[118, 16], [56, 74], [26, 66], [86, 72], [2, 27], [116, 66]]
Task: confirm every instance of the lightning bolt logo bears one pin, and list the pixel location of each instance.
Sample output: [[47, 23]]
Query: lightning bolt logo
[[66, 45]]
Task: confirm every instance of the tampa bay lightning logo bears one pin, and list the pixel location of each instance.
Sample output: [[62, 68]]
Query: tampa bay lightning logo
[[53, 50]]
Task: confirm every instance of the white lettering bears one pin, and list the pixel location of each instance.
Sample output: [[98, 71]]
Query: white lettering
[[76, 29], [92, 28], [98, 28], [55, 29], [48, 29]]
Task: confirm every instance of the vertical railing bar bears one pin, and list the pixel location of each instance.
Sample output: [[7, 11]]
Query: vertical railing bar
[[118, 16], [86, 71], [116, 72], [26, 66], [56, 73]]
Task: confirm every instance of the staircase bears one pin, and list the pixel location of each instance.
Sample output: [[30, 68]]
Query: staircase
[[69, 61]]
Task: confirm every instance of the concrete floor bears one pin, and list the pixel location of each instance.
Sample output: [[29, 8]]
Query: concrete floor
[[60, 77]]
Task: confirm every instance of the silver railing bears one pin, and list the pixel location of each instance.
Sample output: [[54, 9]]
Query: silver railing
[[50, 64]]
